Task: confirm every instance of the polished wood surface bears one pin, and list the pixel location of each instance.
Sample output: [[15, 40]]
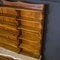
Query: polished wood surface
[[10, 21], [10, 47], [21, 28]]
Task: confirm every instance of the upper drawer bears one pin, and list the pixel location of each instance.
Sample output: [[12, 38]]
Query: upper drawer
[[31, 14], [23, 13], [7, 10]]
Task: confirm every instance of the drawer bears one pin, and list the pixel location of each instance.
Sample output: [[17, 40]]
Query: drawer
[[30, 50], [27, 13], [33, 19], [31, 35], [8, 35], [8, 21], [8, 41], [31, 25], [9, 29], [9, 47], [33, 47], [31, 14], [31, 54], [36, 44], [8, 10]]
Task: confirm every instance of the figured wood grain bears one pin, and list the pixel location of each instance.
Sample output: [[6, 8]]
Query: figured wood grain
[[8, 35], [7, 10], [24, 22], [8, 21], [30, 35], [10, 47], [31, 25], [8, 28], [8, 41], [27, 52]]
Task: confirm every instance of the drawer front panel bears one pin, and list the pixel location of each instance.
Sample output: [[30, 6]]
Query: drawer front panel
[[12, 48], [30, 35]]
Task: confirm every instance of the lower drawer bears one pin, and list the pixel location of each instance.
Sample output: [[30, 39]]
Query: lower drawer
[[36, 44], [28, 53], [8, 28], [9, 41], [30, 48], [8, 35], [9, 47], [8, 21]]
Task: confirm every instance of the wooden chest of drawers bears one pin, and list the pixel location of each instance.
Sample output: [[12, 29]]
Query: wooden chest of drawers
[[21, 29]]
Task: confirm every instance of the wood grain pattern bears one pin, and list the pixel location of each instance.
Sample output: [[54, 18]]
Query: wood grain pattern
[[8, 41], [8, 21], [31, 25], [31, 54], [9, 47], [21, 24], [9, 29], [30, 35], [7, 10]]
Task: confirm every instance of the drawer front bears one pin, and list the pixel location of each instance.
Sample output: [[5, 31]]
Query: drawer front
[[31, 42], [10, 21], [31, 25], [8, 41], [8, 29], [12, 48], [32, 54], [29, 46]]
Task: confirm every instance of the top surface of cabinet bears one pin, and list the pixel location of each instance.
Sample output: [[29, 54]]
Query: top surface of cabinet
[[24, 5]]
